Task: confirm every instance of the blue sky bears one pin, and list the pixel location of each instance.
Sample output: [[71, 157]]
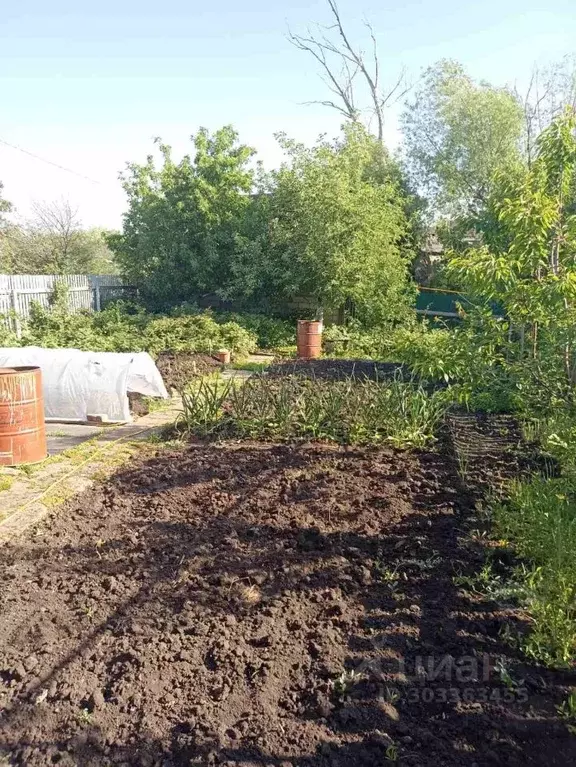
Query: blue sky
[[90, 88]]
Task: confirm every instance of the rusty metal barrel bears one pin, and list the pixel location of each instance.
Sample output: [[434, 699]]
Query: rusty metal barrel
[[22, 428], [309, 339]]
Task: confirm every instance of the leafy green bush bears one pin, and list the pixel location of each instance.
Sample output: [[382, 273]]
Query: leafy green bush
[[540, 520], [355, 342], [124, 328], [7, 335], [270, 331], [367, 412], [197, 333]]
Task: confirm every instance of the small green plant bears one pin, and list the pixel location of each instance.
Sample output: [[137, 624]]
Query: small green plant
[[505, 676], [567, 709], [84, 716], [6, 482], [346, 682], [392, 753], [490, 584], [391, 695], [429, 563], [463, 461], [203, 405]]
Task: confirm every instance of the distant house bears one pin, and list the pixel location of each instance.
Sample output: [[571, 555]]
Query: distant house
[[426, 262]]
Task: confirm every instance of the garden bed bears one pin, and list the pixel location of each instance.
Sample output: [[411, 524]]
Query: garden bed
[[339, 369], [267, 605], [491, 450], [179, 368]]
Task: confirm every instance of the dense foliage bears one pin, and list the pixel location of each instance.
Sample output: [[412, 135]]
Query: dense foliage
[[24, 250], [331, 225], [533, 277], [122, 328], [53, 241], [335, 230], [457, 133], [184, 220], [540, 519]]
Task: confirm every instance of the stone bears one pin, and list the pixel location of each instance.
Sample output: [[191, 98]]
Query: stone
[[97, 699]]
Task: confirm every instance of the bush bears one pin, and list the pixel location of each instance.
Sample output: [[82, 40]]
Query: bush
[[198, 333], [355, 342], [270, 331], [126, 328], [7, 336]]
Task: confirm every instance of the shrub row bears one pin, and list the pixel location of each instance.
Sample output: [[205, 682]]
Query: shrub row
[[124, 328]]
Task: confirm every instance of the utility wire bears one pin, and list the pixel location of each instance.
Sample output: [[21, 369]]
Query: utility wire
[[48, 162]]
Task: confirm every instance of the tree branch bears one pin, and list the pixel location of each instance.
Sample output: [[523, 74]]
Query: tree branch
[[352, 63]]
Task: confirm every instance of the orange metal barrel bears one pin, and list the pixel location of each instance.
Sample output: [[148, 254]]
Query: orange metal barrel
[[223, 356], [22, 429], [309, 340]]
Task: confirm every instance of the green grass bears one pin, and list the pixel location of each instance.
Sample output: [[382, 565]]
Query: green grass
[[253, 367], [6, 482], [539, 520], [156, 404]]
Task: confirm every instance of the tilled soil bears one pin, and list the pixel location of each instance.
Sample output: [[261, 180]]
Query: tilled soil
[[336, 369], [266, 605], [179, 368], [491, 450]]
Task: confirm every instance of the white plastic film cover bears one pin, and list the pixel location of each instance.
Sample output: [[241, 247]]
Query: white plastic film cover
[[77, 384]]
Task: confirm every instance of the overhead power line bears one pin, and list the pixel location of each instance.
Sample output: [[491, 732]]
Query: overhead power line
[[49, 162]]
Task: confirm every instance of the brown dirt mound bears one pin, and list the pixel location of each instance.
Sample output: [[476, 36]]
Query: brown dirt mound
[[338, 369], [138, 404], [179, 368], [265, 605]]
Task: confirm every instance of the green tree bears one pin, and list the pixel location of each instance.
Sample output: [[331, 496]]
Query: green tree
[[534, 277], [457, 134], [181, 231], [5, 206], [335, 229]]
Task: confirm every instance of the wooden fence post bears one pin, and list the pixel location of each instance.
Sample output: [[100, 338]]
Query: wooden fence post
[[97, 297], [16, 316]]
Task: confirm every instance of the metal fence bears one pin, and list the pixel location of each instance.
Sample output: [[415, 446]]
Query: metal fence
[[86, 291]]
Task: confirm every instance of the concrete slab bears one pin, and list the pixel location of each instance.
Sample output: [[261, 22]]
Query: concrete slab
[[63, 436]]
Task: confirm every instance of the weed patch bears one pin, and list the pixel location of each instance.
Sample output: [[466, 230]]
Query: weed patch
[[539, 518]]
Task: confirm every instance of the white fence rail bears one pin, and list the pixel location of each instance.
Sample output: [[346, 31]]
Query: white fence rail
[[86, 291]]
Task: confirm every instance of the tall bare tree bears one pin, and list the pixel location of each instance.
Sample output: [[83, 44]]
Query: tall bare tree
[[59, 223], [347, 70], [551, 89], [56, 229], [52, 241]]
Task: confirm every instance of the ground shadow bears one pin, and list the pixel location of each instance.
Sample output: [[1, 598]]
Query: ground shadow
[[264, 604]]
